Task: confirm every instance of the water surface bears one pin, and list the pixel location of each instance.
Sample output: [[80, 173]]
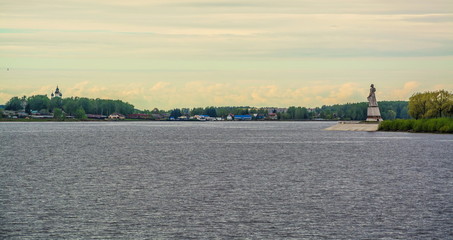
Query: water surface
[[227, 180]]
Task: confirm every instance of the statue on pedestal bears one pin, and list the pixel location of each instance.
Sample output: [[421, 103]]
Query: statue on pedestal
[[373, 113], [372, 97]]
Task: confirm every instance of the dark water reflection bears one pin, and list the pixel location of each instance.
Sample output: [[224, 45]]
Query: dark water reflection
[[240, 180]]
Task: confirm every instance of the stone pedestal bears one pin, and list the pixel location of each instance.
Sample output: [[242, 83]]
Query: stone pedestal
[[373, 114]]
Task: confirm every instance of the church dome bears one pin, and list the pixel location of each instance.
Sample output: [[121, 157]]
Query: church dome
[[57, 93]]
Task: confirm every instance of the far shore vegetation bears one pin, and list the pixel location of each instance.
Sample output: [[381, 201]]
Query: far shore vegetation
[[433, 125], [430, 112], [80, 108], [424, 112]]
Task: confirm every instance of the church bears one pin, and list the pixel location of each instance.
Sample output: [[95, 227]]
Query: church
[[57, 93]]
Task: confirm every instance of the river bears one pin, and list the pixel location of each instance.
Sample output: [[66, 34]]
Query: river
[[222, 180]]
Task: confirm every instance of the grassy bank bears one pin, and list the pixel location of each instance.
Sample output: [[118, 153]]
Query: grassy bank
[[434, 125]]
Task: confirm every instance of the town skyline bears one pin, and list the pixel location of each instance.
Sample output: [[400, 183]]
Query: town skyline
[[185, 53]]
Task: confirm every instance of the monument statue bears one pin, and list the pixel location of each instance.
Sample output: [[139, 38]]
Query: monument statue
[[372, 97], [373, 113]]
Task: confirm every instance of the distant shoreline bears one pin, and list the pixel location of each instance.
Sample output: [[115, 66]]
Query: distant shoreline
[[144, 120]]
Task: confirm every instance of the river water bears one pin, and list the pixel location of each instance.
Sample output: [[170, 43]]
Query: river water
[[222, 180]]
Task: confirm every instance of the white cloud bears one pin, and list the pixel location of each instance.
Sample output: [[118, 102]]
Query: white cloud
[[405, 92]]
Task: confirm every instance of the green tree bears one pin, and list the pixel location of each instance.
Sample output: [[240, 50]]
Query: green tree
[[283, 116], [196, 111], [27, 108], [39, 102], [390, 115], [223, 111], [404, 113], [418, 105], [80, 114], [176, 113], [240, 110], [58, 114], [439, 103], [14, 104], [70, 106], [449, 108], [210, 111], [86, 104], [291, 113], [56, 102], [431, 104], [301, 113]]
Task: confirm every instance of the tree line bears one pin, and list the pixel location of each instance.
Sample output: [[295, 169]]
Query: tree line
[[217, 111], [420, 106], [431, 112], [79, 106], [434, 104], [74, 106], [349, 111]]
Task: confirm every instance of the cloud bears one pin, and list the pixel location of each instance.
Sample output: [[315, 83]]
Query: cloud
[[183, 29], [159, 86], [404, 92], [4, 97], [205, 93], [79, 89], [197, 52], [267, 95], [430, 18]]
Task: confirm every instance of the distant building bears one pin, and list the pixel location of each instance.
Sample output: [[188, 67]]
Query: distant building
[[139, 116], [259, 116], [201, 117], [117, 116], [42, 116], [272, 116], [57, 93], [183, 118], [96, 116], [157, 116], [242, 118]]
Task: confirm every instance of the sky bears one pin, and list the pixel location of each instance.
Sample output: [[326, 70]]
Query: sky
[[197, 53]]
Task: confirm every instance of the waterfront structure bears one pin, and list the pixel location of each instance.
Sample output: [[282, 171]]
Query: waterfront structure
[[96, 116], [201, 117], [272, 116], [57, 93], [116, 116], [139, 116], [242, 118], [373, 113]]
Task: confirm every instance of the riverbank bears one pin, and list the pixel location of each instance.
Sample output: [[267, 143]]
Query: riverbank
[[354, 126], [434, 125], [36, 120], [69, 120]]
